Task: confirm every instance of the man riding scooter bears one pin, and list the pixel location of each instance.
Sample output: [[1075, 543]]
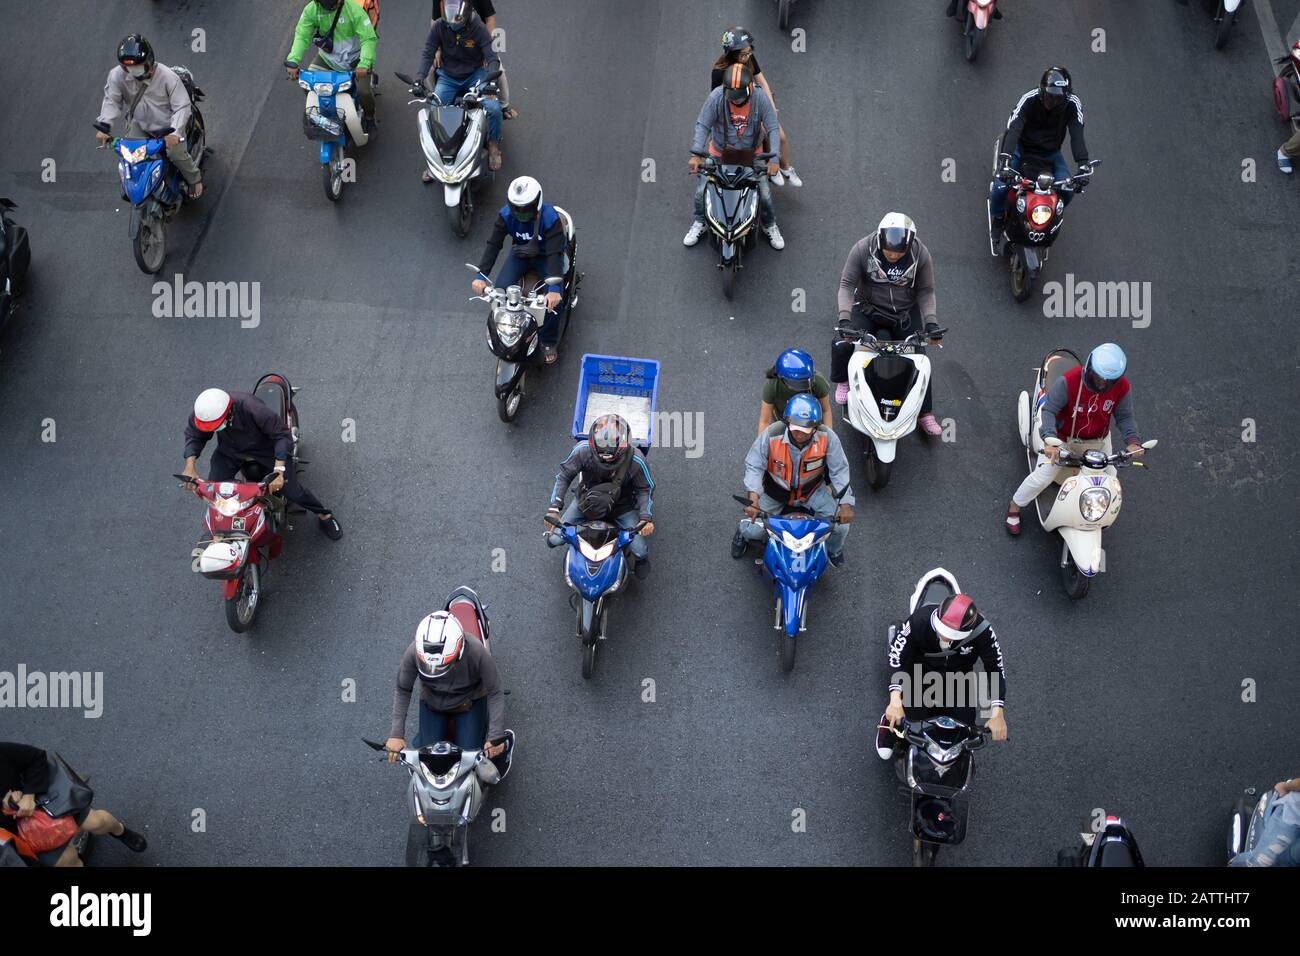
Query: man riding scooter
[[345, 40], [797, 463], [1078, 409], [463, 47], [148, 96], [537, 243]]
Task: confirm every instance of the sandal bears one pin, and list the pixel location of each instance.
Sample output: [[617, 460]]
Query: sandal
[[509, 113], [1013, 522], [426, 177], [550, 353], [494, 157]]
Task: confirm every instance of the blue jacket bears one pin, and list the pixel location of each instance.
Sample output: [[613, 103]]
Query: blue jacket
[[541, 239]]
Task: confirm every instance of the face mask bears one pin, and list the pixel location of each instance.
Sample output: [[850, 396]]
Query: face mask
[[137, 72], [219, 428]]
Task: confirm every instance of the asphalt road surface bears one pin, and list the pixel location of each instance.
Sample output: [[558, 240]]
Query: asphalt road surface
[[1130, 701]]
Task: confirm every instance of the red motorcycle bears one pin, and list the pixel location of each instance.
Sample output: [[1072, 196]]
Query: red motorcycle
[[976, 24], [1286, 85], [243, 522]]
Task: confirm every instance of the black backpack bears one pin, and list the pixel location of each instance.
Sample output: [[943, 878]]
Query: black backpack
[[597, 503]]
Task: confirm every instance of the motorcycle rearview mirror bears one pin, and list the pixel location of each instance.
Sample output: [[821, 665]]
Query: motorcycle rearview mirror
[[404, 78], [185, 478], [372, 744], [742, 499], [1151, 444], [1053, 442], [552, 280]]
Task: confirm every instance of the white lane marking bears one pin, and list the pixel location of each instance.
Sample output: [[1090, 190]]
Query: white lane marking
[[1268, 30]]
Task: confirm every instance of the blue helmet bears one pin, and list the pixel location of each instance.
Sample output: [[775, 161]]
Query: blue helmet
[[795, 365], [803, 412], [1105, 365]]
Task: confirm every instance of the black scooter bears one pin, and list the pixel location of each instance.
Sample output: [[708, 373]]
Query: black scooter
[[1113, 846], [731, 212], [15, 256]]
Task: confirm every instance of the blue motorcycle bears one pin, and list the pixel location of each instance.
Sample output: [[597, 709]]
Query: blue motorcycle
[[333, 120], [596, 566], [794, 559]]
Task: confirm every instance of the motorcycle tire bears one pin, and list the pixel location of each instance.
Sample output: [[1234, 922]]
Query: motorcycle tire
[[974, 37], [783, 14], [1022, 283], [729, 279], [878, 471], [923, 854], [150, 245], [1075, 582], [1224, 27], [418, 851], [461, 215], [785, 646], [508, 404], [589, 641], [332, 176], [240, 618]]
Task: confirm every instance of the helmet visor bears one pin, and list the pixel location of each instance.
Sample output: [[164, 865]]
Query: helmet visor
[[797, 385], [894, 239]]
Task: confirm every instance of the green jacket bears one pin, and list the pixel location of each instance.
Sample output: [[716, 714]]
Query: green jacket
[[354, 31]]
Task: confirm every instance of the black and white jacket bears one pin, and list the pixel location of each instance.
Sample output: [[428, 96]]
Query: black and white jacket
[[1041, 132]]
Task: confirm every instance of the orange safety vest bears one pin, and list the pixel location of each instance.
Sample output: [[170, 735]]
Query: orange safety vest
[[372, 10], [780, 481]]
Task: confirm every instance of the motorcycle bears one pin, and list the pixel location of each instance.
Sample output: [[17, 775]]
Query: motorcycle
[[15, 257], [515, 322], [152, 185], [244, 521], [794, 559], [1286, 85], [67, 793], [1114, 846], [1248, 815], [731, 212], [976, 24], [331, 118], [936, 764], [454, 138], [1225, 15], [1089, 498], [448, 785], [597, 566], [887, 384], [1039, 209]]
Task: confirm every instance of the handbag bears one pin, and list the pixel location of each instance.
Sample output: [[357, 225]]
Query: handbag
[[597, 502]]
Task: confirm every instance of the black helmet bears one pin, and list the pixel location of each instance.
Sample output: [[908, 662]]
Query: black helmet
[[738, 81], [457, 13], [328, 4], [135, 52], [611, 440], [1054, 88], [736, 39]]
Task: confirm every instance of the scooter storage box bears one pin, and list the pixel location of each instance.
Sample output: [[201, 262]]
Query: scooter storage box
[[614, 385]]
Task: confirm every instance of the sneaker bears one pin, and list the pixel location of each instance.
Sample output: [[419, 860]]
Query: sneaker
[[330, 528], [930, 425], [1284, 163], [885, 740], [739, 545], [778, 179], [774, 237], [693, 234], [791, 176], [837, 560], [842, 393]]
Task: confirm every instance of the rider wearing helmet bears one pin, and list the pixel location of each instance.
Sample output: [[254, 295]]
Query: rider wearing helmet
[[942, 639], [251, 438], [458, 681], [793, 374], [1035, 134], [731, 127], [463, 47], [797, 463], [1078, 409], [614, 484], [344, 40], [886, 288], [738, 47], [148, 97], [538, 241]]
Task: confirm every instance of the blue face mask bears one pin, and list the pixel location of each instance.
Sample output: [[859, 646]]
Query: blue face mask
[[219, 428]]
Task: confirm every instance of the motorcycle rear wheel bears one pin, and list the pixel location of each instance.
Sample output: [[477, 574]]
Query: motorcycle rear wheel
[[974, 37], [332, 176], [783, 14], [241, 609], [150, 244]]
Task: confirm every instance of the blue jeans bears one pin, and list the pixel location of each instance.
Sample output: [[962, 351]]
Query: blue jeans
[[469, 729], [823, 505], [998, 190], [1279, 843], [447, 89], [628, 520], [510, 274]]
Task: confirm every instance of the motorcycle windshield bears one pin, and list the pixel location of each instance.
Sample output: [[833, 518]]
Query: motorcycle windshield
[[891, 377], [799, 526], [448, 125]]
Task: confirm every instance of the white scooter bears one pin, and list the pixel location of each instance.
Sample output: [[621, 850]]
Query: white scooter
[[454, 139], [1225, 15], [887, 384], [1089, 498]]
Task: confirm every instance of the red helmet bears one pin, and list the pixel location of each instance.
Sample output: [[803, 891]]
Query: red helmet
[[955, 618], [610, 440]]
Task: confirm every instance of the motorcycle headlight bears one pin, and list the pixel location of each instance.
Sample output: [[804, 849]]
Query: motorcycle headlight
[[1040, 215], [1093, 503], [323, 89], [595, 555], [510, 326], [940, 755], [345, 86], [797, 545], [136, 155], [229, 506]]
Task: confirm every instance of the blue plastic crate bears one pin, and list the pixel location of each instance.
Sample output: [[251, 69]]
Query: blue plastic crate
[[613, 382]]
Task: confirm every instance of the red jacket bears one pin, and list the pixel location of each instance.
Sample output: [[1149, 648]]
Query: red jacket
[[1087, 413]]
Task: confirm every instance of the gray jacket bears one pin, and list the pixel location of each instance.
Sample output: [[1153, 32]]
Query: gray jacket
[[864, 274], [837, 463], [472, 677], [165, 102], [712, 127], [1058, 397]]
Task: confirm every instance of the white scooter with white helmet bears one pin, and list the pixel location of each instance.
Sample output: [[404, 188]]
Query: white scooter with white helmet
[[1089, 498]]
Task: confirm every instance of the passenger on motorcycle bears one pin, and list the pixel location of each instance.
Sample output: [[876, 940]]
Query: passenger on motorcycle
[[793, 374], [738, 47]]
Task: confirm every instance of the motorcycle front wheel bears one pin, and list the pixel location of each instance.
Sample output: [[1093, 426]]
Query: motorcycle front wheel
[[150, 244], [1022, 283], [460, 215], [589, 641], [242, 608], [974, 37], [729, 278], [1075, 582], [878, 471], [1225, 27], [332, 176], [785, 646], [508, 404]]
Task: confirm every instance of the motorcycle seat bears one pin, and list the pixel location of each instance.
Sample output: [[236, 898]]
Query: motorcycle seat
[[464, 612]]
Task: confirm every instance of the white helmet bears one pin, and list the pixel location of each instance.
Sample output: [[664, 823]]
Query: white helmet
[[896, 232], [439, 644], [210, 409], [525, 198]]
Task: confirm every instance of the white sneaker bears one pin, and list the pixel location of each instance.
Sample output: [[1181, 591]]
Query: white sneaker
[[693, 234], [792, 176], [777, 180], [774, 237]]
